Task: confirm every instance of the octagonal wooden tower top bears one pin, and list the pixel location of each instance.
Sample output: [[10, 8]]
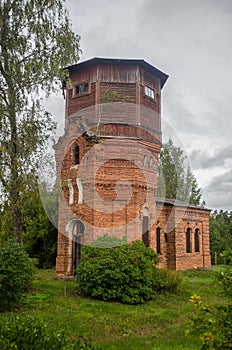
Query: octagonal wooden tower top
[[128, 89]]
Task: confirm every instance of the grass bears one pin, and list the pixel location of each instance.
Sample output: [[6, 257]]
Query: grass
[[159, 324]]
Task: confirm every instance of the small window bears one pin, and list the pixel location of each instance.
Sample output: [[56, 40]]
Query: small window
[[166, 237], [76, 154], [144, 160], [158, 240], [81, 88], [145, 231], [188, 241], [78, 228], [149, 92], [197, 240]]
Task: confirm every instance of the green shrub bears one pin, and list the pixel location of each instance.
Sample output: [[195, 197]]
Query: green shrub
[[225, 281], [16, 273], [227, 256], [213, 325], [106, 241], [125, 273], [27, 333], [170, 280]]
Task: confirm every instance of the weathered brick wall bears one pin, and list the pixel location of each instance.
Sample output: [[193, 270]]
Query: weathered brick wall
[[115, 183], [174, 222]]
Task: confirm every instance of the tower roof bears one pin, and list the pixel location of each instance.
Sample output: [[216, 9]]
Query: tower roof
[[138, 62]]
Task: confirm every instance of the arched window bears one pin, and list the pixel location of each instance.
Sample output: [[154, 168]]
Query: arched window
[[76, 154], [188, 241], [197, 240], [151, 162], [158, 240], [78, 228], [145, 227], [144, 159]]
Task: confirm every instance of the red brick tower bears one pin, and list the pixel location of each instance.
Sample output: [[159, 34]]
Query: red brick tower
[[107, 158]]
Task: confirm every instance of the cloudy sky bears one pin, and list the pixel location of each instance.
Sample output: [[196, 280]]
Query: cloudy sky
[[191, 41]]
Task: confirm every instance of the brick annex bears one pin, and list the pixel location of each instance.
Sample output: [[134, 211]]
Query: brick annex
[[107, 167]]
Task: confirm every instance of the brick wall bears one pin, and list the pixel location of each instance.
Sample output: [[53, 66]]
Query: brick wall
[[113, 187]]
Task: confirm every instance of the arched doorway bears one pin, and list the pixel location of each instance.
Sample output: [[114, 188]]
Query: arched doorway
[[77, 234]]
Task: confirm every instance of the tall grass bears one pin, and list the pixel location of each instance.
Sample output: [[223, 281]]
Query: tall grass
[[156, 325]]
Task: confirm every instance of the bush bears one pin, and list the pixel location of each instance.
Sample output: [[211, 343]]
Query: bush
[[227, 256], [170, 280], [16, 273], [213, 325], [225, 281], [125, 273], [25, 332]]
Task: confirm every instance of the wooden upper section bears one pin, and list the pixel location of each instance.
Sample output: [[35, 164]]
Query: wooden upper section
[[116, 91]]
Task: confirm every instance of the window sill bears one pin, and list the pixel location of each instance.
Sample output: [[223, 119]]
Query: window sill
[[81, 94], [74, 167]]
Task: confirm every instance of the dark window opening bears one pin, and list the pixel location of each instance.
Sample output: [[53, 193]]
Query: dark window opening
[[196, 240], [76, 154], [145, 233], [188, 241], [158, 240], [166, 237], [82, 88]]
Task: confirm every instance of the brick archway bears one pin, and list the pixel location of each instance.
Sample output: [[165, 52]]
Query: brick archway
[[75, 229]]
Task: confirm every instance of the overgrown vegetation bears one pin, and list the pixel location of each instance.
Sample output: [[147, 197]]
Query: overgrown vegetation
[[158, 324], [36, 42], [125, 273], [224, 279], [16, 273], [25, 332], [221, 237], [39, 234], [214, 324]]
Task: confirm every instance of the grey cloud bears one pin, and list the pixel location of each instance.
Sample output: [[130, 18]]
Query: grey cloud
[[219, 191], [221, 182], [202, 159], [189, 40], [179, 113]]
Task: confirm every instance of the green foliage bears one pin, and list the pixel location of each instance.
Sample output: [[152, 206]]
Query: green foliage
[[227, 256], [16, 273], [39, 234], [221, 236], [175, 181], [25, 332], [36, 42], [157, 324], [213, 325], [125, 273], [106, 241], [225, 281], [170, 280]]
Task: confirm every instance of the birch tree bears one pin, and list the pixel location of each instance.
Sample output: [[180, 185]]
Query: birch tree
[[175, 180], [36, 42]]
